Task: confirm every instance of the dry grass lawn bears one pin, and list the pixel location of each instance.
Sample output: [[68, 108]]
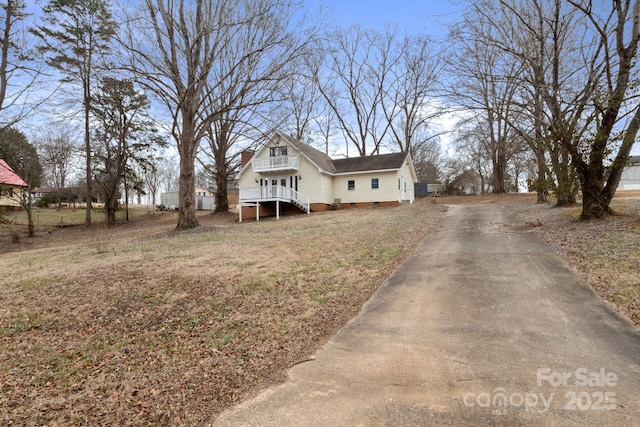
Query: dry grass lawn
[[140, 325], [605, 252]]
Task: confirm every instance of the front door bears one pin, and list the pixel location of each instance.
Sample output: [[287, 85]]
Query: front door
[[278, 186]]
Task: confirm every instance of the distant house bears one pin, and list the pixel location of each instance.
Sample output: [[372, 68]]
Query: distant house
[[11, 188], [68, 195], [287, 176], [630, 179]]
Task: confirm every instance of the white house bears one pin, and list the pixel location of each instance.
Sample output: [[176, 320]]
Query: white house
[[286, 175], [630, 178]]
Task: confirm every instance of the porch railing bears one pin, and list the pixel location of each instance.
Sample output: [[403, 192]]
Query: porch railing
[[275, 192]]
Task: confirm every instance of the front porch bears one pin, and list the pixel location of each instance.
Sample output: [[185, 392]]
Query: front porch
[[276, 194]]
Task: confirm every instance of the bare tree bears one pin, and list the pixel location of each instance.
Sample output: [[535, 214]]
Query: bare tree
[[153, 178], [58, 150], [254, 72], [616, 51], [175, 47], [169, 174], [304, 101], [407, 101], [18, 72], [546, 37], [471, 153], [486, 86], [327, 127], [354, 82], [579, 59]]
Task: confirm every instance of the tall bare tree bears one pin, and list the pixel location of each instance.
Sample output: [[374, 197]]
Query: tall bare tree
[[251, 76], [579, 60], [18, 72], [354, 81], [485, 86], [58, 149], [152, 178], [616, 53], [408, 100], [175, 47], [546, 37]]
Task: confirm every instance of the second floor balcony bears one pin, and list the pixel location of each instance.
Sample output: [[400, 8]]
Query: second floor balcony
[[279, 163]]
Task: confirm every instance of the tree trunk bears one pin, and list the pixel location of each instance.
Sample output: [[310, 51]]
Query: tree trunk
[[541, 185], [594, 203], [87, 147], [31, 231], [498, 176], [222, 180], [187, 193], [565, 191], [222, 199], [110, 205], [126, 200]]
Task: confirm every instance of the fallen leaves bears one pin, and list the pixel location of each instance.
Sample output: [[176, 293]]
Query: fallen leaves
[[606, 252], [168, 327]]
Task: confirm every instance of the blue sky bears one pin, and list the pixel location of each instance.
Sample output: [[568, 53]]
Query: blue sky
[[412, 16]]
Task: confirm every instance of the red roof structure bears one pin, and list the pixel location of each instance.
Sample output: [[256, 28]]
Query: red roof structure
[[9, 177]]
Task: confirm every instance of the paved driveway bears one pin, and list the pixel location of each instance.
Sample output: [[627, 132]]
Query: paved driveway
[[483, 325]]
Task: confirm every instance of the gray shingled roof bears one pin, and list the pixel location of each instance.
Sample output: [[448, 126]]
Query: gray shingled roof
[[351, 164], [319, 158], [370, 163], [633, 160]]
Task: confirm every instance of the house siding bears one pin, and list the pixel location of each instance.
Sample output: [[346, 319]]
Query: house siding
[[313, 184], [387, 187], [13, 203], [323, 181]]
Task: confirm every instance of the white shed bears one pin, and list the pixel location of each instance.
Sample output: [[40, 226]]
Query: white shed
[[630, 179]]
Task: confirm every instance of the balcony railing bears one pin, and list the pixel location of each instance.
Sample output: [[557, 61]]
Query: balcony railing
[[279, 163]]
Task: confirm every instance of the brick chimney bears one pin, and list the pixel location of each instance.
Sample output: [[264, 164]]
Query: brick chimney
[[246, 157]]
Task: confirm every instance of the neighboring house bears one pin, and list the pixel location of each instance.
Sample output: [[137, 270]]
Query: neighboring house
[[11, 188], [630, 179], [467, 183], [204, 199], [286, 176], [68, 195]]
